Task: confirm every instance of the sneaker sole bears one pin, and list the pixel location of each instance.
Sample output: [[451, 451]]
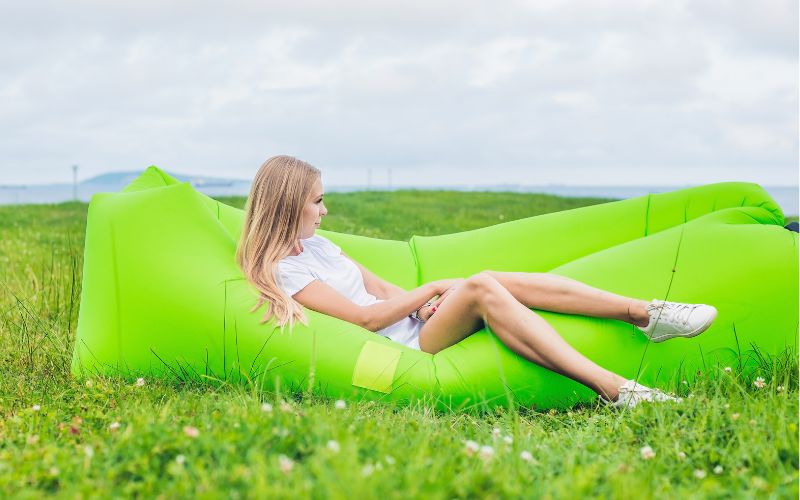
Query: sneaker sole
[[691, 334]]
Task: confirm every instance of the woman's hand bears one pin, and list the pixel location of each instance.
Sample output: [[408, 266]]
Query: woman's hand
[[442, 286], [446, 293], [427, 311]]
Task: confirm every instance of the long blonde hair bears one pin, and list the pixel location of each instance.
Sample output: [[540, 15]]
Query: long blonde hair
[[271, 229]]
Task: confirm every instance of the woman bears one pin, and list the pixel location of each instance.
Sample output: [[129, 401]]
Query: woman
[[291, 266]]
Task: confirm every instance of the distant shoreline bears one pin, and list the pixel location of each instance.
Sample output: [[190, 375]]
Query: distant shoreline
[[785, 196]]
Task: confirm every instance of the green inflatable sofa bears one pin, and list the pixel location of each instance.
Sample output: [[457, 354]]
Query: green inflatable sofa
[[163, 297]]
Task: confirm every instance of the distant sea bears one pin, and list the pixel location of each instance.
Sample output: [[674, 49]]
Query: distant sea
[[785, 196]]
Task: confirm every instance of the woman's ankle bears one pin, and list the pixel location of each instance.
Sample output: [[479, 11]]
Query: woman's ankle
[[609, 390], [637, 313]]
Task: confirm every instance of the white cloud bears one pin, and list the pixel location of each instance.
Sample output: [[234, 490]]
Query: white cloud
[[601, 91], [499, 59]]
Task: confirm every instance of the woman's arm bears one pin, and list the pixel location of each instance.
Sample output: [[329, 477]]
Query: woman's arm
[[385, 290], [323, 298]]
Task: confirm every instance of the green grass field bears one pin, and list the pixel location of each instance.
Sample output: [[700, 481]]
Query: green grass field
[[732, 436]]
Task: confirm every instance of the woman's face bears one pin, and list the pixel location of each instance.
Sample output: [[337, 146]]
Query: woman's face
[[313, 211]]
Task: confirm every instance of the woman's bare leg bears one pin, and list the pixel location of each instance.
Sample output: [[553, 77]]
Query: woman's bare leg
[[482, 299], [566, 295]]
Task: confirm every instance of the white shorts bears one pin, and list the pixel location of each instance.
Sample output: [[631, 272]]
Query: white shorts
[[405, 331]]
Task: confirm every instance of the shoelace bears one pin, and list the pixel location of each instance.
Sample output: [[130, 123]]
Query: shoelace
[[641, 393], [639, 390], [676, 313], [632, 398]]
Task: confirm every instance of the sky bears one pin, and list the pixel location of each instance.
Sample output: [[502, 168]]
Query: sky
[[671, 92]]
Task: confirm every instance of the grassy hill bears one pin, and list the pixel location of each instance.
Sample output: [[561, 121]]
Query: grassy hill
[[729, 438]]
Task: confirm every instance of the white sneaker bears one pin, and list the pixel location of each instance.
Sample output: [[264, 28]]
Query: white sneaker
[[675, 319], [631, 393]]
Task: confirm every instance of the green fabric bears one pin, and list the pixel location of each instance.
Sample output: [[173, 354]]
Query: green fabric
[[376, 366], [162, 296]]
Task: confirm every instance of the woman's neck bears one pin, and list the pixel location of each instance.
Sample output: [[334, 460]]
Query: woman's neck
[[296, 249]]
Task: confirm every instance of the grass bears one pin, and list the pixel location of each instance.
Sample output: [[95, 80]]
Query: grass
[[110, 438]]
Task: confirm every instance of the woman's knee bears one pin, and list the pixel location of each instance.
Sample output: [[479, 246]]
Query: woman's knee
[[481, 282], [484, 288]]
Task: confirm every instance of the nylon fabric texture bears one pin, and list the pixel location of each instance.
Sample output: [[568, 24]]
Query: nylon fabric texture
[[162, 296]]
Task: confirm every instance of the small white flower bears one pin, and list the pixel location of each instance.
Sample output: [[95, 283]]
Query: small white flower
[[367, 470], [285, 464], [699, 473], [266, 408], [681, 456], [180, 459], [759, 382], [496, 432], [36, 407], [88, 451], [718, 470], [647, 452], [526, 456], [486, 452], [54, 471], [89, 383], [727, 369], [340, 404], [140, 383], [508, 439], [190, 431], [735, 416], [780, 388], [684, 382], [113, 426], [280, 431], [471, 447], [333, 446], [389, 459]]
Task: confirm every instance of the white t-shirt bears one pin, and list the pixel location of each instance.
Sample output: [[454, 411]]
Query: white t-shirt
[[322, 259]]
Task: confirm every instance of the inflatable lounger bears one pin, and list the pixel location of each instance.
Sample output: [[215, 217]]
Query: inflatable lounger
[[162, 296]]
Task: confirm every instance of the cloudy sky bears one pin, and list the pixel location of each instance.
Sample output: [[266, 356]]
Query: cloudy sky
[[668, 92]]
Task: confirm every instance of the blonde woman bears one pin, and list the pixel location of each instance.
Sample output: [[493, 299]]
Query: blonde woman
[[292, 267]]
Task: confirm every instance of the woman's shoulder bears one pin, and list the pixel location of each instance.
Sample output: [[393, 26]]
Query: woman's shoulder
[[314, 248], [316, 239], [327, 244]]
